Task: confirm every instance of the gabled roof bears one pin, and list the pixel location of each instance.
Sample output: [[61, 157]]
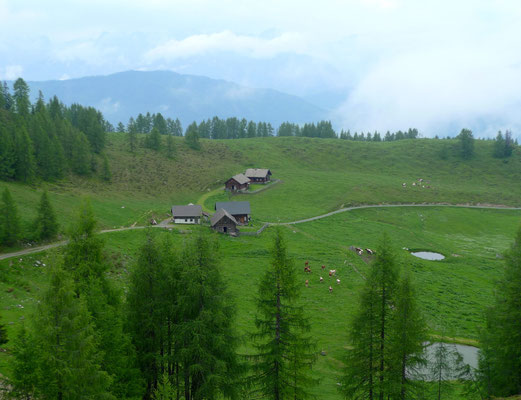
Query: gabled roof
[[257, 172], [241, 179], [234, 207], [220, 214], [187, 211]]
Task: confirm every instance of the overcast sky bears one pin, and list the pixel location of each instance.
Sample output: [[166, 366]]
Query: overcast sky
[[379, 64]]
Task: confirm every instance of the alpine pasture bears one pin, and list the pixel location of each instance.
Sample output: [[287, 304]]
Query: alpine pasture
[[317, 176]]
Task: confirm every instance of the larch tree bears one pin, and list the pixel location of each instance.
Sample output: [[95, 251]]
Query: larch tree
[[408, 335], [500, 352], [368, 371], [9, 220], [67, 358], [45, 226], [21, 98], [84, 257], [285, 352], [208, 341]]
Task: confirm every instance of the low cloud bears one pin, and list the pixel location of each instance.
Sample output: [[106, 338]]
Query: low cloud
[[11, 72], [226, 41]]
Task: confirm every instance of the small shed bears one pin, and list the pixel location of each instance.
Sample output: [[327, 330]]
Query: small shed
[[190, 214], [222, 221], [240, 210], [258, 175], [237, 183]]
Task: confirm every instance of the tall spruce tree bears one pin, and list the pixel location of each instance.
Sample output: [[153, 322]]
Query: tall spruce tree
[[84, 257], [153, 140], [21, 98], [170, 146], [9, 220], [24, 165], [466, 144], [285, 351], [45, 226], [500, 352], [408, 333], [24, 377], [368, 371], [66, 356], [208, 339], [192, 137]]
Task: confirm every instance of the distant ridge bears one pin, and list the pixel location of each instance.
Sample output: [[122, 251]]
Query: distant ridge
[[187, 97]]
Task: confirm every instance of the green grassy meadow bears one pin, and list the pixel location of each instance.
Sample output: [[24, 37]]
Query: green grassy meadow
[[317, 176]]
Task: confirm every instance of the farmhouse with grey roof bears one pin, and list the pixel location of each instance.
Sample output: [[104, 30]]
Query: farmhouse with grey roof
[[222, 221], [240, 210], [258, 175], [190, 214], [237, 183]]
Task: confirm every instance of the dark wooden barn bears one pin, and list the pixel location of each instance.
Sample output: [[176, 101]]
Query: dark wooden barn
[[258, 175], [237, 183], [240, 210], [222, 221]]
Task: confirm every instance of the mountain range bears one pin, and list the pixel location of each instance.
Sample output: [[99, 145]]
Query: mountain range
[[187, 97]]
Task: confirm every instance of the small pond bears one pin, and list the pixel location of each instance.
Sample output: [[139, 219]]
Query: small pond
[[469, 354], [428, 255]]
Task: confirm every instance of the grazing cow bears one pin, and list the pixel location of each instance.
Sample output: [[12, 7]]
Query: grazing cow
[[307, 269], [414, 183], [338, 281], [332, 272], [306, 283], [323, 267], [404, 184], [330, 289], [321, 279], [369, 251], [360, 252], [306, 263], [358, 249]]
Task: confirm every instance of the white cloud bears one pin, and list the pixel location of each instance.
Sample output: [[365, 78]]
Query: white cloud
[[11, 72], [227, 41]]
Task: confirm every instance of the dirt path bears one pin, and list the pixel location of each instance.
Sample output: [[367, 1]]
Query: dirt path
[[301, 221], [166, 224], [162, 224]]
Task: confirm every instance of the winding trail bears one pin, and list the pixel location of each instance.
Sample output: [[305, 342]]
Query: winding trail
[[165, 224], [64, 242], [301, 221]]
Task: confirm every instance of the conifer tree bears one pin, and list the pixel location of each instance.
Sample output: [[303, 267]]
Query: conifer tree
[[153, 140], [208, 339], [285, 352], [145, 312], [46, 226], [170, 146], [466, 144], [192, 137], [85, 258], [442, 368], [408, 333], [21, 97], [24, 165], [106, 175], [120, 128], [67, 357], [24, 377], [368, 370], [9, 221], [500, 352]]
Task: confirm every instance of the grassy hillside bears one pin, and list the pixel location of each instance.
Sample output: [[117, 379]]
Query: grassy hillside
[[317, 176], [453, 293]]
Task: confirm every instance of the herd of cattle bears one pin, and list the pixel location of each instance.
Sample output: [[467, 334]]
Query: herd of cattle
[[420, 183], [332, 272]]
